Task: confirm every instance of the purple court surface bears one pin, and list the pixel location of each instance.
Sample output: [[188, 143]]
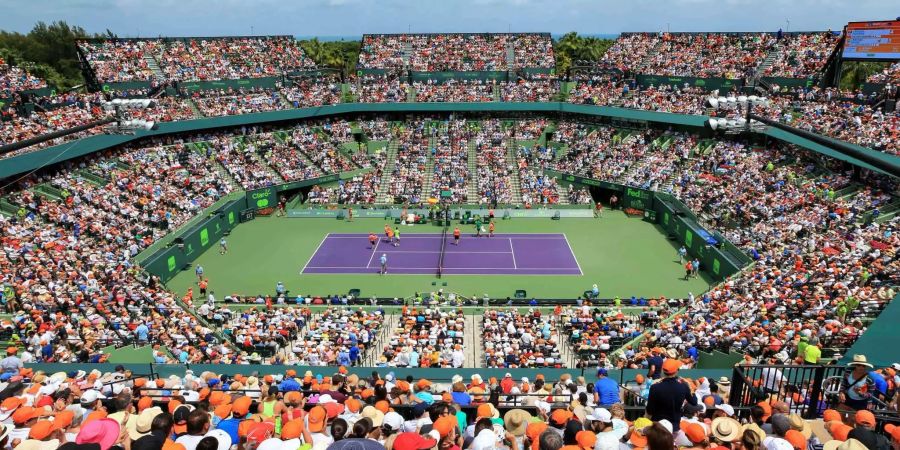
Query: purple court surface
[[419, 254]]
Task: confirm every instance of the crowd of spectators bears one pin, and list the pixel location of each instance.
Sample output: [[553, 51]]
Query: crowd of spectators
[[426, 337], [839, 115], [494, 183], [231, 102], [454, 91], [704, 55], [117, 61], [231, 58], [456, 52], [244, 158], [310, 92], [407, 177], [890, 75], [385, 88], [450, 161], [514, 339], [801, 55], [15, 79], [64, 111], [536, 90], [629, 50]]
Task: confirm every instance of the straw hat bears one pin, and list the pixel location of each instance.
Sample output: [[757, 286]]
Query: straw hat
[[850, 444], [515, 421], [860, 360], [726, 429]]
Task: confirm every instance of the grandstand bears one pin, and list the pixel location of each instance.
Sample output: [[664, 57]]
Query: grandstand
[[228, 248]]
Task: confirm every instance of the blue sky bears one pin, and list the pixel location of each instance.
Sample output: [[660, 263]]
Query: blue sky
[[355, 17]]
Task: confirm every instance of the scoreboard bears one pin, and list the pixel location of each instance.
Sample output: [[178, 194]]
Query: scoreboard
[[872, 40]]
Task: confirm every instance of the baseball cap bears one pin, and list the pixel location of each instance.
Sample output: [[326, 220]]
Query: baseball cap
[[393, 420], [413, 441], [600, 415], [695, 432], [671, 366], [865, 418], [316, 419]]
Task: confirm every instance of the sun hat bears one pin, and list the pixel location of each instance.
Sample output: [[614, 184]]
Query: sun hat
[[373, 414], [859, 360], [144, 421], [797, 423], [515, 421], [726, 429], [34, 444], [849, 444], [100, 431], [754, 428]]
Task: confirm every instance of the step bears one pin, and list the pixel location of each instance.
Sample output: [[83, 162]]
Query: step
[[516, 180]]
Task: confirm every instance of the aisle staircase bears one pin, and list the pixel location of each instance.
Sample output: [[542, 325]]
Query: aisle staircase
[[473, 173], [243, 142], [153, 65], [766, 63], [511, 57], [650, 56], [407, 54], [429, 168], [511, 163], [201, 148], [474, 327], [391, 158]]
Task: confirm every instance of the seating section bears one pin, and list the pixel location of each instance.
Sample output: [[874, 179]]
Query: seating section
[[16, 79], [709, 55], [456, 52], [513, 339], [494, 174], [802, 55], [891, 74], [116, 61], [425, 337]]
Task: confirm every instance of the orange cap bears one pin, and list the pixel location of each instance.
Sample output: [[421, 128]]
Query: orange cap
[[353, 405], [173, 405], [830, 415], [24, 414], [533, 431], [11, 403], [445, 425], [695, 432], [41, 430], [316, 419], [63, 419], [366, 393], [893, 431], [292, 429], [223, 411], [839, 431], [865, 418], [559, 417], [93, 416], [293, 397], [140, 382], [422, 384], [586, 439], [291, 373], [241, 406], [144, 403], [215, 398], [383, 406], [796, 439], [160, 382], [767, 410], [671, 366], [639, 378]]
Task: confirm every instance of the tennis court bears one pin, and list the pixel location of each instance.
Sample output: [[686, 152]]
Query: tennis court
[[427, 253]]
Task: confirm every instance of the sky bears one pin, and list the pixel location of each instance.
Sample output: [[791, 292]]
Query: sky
[[132, 18]]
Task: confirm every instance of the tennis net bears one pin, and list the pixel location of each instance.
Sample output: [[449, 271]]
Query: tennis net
[[440, 269]]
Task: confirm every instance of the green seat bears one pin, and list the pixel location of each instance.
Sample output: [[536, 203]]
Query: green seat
[[520, 293]]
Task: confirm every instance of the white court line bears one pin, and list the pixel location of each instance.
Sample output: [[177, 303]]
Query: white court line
[[432, 236], [438, 251], [314, 253], [428, 269], [513, 251], [374, 249], [573, 255]]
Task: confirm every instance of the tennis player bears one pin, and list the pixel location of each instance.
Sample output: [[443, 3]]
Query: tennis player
[[396, 236], [383, 263], [456, 235], [372, 240]]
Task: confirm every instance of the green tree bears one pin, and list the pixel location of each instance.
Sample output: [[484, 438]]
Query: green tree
[[855, 73], [571, 48], [338, 55], [48, 51]]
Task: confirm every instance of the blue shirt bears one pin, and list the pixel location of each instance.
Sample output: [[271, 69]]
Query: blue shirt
[[142, 331], [608, 391], [461, 398], [230, 426], [383, 260]]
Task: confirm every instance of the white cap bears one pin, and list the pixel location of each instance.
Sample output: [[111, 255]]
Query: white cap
[[222, 436], [666, 424], [775, 443], [600, 415], [325, 398], [895, 366], [728, 409], [393, 420], [91, 396], [543, 406]]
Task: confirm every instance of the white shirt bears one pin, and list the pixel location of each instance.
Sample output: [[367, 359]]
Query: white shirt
[[189, 441]]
